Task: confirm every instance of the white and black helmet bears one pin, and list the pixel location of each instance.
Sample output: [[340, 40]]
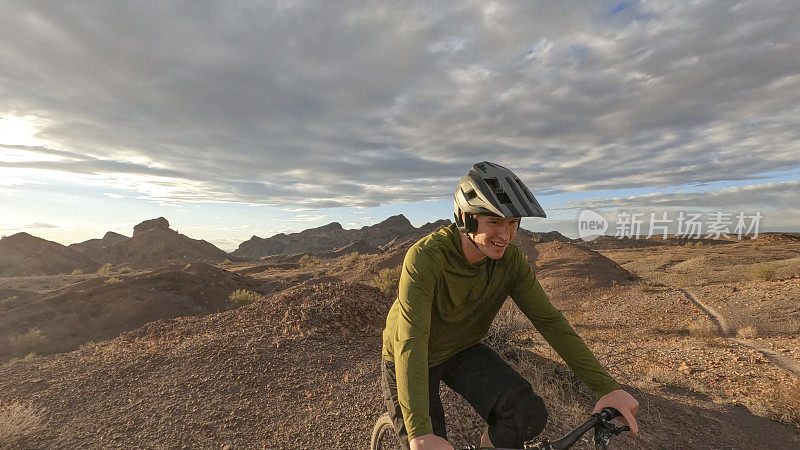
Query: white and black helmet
[[493, 190]]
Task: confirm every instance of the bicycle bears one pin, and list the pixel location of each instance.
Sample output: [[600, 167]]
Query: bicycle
[[384, 436]]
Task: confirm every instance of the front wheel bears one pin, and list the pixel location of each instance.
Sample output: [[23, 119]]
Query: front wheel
[[383, 435]]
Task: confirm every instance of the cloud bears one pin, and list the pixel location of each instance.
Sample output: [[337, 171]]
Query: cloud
[[315, 105], [305, 218], [758, 197], [41, 225]]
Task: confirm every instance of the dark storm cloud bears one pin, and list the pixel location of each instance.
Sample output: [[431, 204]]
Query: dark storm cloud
[[369, 103]]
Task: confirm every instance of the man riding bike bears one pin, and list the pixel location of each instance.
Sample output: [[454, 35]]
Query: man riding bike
[[452, 285]]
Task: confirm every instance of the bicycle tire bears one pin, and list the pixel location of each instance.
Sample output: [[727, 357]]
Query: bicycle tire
[[384, 437]]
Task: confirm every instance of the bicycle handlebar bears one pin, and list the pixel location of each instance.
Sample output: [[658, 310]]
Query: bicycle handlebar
[[603, 430]]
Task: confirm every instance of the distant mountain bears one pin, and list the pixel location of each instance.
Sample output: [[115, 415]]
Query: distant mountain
[[24, 255], [550, 236], [154, 244], [110, 238], [332, 239]]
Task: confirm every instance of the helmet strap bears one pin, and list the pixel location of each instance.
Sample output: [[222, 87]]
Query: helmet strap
[[473, 242]]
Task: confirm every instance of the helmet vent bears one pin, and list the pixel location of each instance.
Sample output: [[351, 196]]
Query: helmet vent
[[522, 188], [471, 194], [503, 197]]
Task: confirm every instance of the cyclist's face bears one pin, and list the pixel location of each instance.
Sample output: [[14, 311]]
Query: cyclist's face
[[494, 234]]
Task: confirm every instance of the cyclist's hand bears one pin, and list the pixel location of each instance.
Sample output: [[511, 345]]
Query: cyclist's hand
[[622, 402], [430, 442]]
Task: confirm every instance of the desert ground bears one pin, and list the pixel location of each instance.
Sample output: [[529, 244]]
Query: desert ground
[[706, 335]]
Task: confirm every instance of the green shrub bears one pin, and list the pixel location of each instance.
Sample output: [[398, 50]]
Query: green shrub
[[309, 261], [764, 272], [242, 297], [18, 420], [32, 341], [387, 281], [105, 270]]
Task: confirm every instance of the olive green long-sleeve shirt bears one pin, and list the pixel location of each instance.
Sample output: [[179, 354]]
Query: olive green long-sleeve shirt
[[445, 304]]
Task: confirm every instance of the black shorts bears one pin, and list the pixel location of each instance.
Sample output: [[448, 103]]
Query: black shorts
[[477, 373]]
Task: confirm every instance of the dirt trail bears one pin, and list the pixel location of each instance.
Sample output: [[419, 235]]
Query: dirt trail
[[785, 362], [712, 313]]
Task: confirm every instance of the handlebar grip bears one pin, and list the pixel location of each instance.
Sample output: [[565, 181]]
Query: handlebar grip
[[609, 413]]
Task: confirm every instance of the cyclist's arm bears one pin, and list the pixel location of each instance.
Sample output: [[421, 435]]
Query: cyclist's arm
[[410, 343], [531, 299]]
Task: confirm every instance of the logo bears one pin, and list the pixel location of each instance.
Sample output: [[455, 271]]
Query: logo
[[591, 225]]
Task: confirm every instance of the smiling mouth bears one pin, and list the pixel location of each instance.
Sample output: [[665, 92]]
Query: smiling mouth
[[499, 244]]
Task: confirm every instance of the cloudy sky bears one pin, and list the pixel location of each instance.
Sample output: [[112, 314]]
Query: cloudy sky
[[234, 119]]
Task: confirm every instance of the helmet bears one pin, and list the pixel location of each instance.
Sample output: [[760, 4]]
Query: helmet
[[492, 190]]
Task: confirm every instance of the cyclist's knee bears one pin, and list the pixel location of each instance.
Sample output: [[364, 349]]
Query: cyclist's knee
[[519, 415]]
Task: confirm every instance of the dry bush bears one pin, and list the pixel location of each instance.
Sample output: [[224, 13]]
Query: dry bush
[[701, 328], [748, 332], [105, 270], [32, 341], [764, 272], [76, 272], [242, 297], [124, 269], [780, 402], [227, 261], [17, 421], [27, 357], [112, 280], [309, 261], [506, 324], [351, 258], [387, 280], [566, 397]]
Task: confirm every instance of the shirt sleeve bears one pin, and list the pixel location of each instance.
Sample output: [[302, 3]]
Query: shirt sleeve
[[531, 299], [415, 294]]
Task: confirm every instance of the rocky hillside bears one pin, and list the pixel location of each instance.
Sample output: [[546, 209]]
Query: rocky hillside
[[333, 238], [154, 244], [99, 309], [24, 255], [110, 238]]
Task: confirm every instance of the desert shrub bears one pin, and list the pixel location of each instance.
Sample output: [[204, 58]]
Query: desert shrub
[[309, 261], [242, 297], [387, 280], [105, 270], [748, 332], [227, 261], [780, 402], [27, 357], [17, 421], [764, 272], [124, 269], [701, 328], [502, 330], [351, 258], [77, 272], [112, 280], [24, 343]]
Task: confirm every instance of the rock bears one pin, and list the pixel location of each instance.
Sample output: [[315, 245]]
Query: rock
[[159, 223]]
